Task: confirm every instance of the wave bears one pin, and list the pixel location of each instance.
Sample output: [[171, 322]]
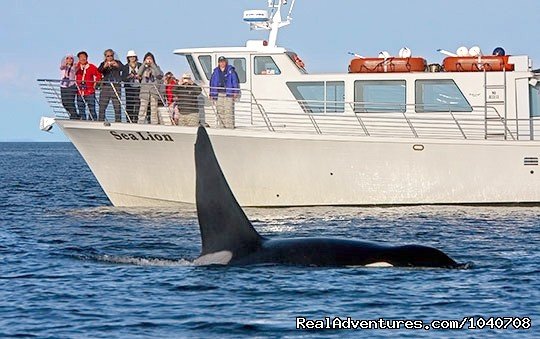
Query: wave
[[141, 261]]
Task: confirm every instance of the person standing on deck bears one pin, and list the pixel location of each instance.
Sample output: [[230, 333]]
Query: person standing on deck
[[186, 102], [224, 90], [110, 68], [86, 76], [132, 85], [68, 88], [151, 78]]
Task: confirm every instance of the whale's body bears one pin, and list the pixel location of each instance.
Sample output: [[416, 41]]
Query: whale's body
[[228, 238]]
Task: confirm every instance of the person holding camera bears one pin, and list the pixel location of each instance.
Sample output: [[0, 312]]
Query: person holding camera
[[110, 68], [151, 78], [132, 85], [186, 102], [86, 76], [68, 88]]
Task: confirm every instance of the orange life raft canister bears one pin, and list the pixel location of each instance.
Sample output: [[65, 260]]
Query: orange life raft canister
[[491, 63], [390, 65]]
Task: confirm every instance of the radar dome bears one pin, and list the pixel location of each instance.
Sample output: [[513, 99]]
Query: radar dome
[[475, 51], [405, 52], [499, 51], [462, 51], [384, 55]]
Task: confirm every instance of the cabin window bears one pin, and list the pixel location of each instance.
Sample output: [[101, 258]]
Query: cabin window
[[319, 96], [372, 96], [440, 96], [206, 63], [534, 100], [265, 65], [239, 65], [193, 67]]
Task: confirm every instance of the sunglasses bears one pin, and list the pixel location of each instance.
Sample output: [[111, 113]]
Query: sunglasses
[[109, 56]]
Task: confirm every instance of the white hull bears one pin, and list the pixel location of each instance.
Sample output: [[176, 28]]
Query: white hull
[[286, 169]]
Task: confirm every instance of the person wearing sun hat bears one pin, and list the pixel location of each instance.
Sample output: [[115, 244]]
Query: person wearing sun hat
[[186, 99], [131, 85]]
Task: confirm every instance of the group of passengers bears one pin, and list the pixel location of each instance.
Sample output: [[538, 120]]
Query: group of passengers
[[145, 89]]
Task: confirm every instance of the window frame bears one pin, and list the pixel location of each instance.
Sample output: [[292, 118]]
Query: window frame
[[459, 109], [255, 66], [335, 106], [208, 74], [193, 65], [534, 104], [245, 67], [400, 107]]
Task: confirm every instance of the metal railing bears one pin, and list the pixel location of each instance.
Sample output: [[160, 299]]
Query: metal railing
[[121, 103]]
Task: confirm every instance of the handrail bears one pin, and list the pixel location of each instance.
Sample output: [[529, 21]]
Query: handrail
[[368, 119]]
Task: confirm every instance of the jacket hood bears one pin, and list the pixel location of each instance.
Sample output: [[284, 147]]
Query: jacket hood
[[149, 55]]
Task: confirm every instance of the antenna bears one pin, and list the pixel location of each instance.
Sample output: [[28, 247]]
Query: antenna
[[271, 21]]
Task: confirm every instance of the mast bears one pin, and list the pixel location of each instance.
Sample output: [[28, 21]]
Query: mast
[[272, 21]]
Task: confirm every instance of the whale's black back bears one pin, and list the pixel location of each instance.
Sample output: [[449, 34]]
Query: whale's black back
[[225, 227], [223, 224]]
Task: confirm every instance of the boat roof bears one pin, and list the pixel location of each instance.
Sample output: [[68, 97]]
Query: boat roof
[[252, 46]]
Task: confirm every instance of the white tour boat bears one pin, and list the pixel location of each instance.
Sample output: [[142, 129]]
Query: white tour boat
[[392, 130]]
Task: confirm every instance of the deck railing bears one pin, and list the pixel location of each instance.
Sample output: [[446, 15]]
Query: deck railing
[[118, 102]]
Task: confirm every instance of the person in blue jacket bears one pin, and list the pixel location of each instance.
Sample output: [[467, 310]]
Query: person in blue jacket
[[224, 90]]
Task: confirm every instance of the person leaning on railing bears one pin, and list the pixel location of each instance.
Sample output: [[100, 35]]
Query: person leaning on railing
[[68, 88], [151, 78], [86, 77], [132, 85], [186, 102], [110, 68], [224, 90]]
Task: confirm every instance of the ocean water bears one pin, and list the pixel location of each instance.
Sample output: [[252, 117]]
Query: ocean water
[[72, 265]]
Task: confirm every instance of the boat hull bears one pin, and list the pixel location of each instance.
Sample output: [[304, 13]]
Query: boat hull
[[153, 165]]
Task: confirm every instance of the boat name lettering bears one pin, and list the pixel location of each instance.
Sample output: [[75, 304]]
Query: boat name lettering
[[141, 136]]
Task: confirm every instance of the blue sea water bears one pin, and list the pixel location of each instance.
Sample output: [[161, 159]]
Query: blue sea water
[[72, 265]]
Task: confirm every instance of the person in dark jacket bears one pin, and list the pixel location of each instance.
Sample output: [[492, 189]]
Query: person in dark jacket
[[110, 68], [186, 102], [151, 77], [224, 90], [132, 85]]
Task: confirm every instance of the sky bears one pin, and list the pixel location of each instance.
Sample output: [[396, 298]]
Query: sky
[[36, 34]]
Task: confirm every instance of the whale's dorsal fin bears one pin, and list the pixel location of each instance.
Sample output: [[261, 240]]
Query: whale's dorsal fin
[[223, 224]]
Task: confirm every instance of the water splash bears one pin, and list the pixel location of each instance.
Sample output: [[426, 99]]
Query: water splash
[[141, 261]]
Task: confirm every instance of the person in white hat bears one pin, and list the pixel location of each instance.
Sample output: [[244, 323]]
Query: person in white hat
[[186, 99], [131, 84]]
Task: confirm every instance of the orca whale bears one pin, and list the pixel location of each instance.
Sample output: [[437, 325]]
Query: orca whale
[[228, 237]]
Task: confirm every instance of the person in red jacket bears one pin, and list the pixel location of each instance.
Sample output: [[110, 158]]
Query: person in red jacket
[[170, 84], [86, 77]]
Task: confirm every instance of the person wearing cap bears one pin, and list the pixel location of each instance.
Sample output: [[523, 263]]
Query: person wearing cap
[[86, 76], [186, 102], [131, 85], [224, 90], [151, 78], [111, 69]]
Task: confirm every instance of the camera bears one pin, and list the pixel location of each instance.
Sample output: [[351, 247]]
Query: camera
[[83, 85]]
